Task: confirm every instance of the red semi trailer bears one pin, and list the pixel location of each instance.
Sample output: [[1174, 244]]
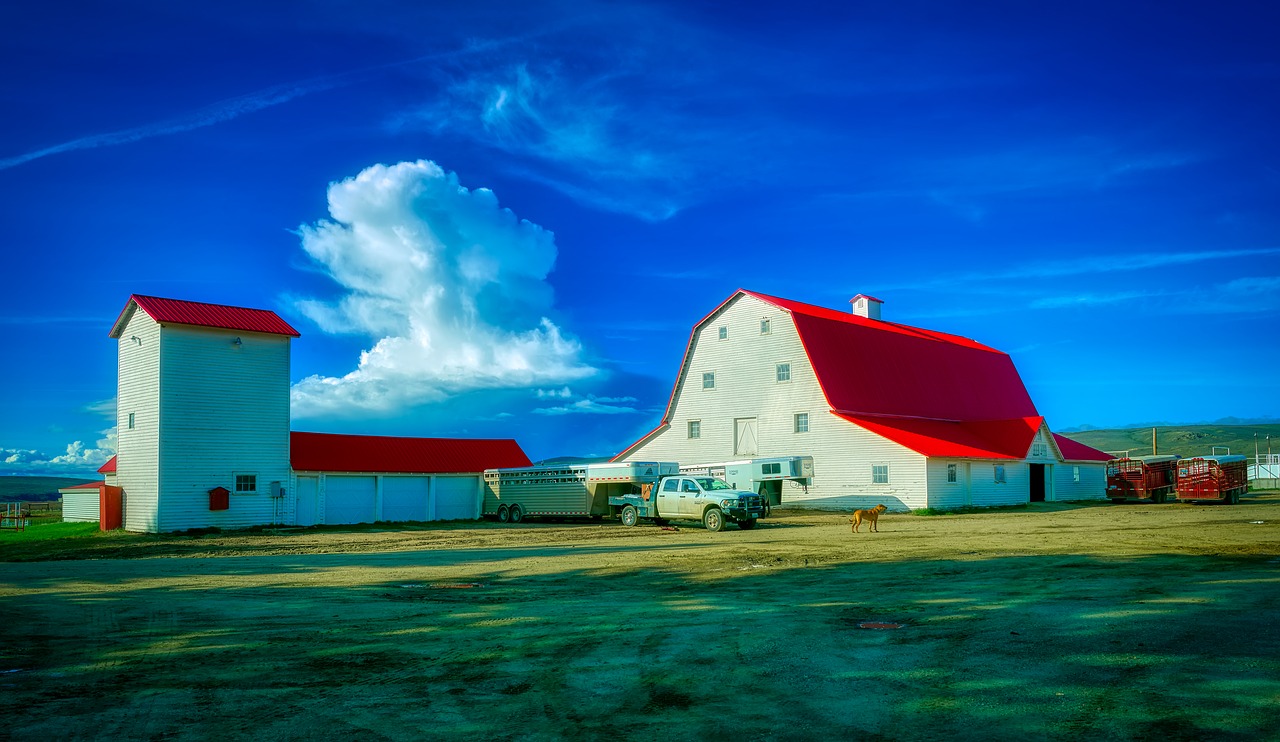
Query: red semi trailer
[[1215, 478], [1141, 477]]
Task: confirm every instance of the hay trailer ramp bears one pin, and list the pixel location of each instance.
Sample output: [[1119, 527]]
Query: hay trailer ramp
[[1213, 479], [1142, 477], [566, 490]]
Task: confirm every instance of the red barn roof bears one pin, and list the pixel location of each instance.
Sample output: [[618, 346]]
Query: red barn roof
[[84, 486], [1076, 451], [179, 312], [331, 452], [109, 467], [933, 392]]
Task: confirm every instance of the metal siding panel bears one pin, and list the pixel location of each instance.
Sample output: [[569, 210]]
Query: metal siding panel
[[80, 507], [137, 450]]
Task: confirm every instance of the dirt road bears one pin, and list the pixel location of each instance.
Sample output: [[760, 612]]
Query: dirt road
[[1071, 622]]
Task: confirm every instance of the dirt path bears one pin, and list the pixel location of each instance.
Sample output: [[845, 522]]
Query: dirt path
[[1099, 622]]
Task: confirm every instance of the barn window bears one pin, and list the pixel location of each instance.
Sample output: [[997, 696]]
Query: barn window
[[724, 333], [695, 428], [709, 380], [1039, 450], [951, 474], [879, 473], [802, 422], [999, 473], [783, 372], [764, 327], [246, 483], [130, 421], [1075, 474]]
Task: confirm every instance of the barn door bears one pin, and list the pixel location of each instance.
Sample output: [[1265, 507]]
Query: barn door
[[744, 437], [308, 491]]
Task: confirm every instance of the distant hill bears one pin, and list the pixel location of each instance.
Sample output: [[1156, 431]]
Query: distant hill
[[1183, 440], [35, 489]]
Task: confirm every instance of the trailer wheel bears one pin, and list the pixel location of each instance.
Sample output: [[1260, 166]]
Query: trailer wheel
[[747, 524], [1234, 497], [517, 514], [1157, 497], [630, 516], [504, 514], [713, 519], [1117, 501]]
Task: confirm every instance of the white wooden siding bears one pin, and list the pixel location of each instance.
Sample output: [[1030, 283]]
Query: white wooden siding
[[745, 365], [224, 410], [137, 449], [80, 506], [1092, 484]]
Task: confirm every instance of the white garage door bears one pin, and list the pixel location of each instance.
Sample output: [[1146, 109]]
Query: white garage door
[[405, 498], [348, 500], [457, 498]]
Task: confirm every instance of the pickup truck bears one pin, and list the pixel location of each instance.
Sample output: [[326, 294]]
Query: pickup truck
[[707, 499]]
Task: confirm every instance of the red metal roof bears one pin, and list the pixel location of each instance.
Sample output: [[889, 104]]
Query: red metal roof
[[330, 452], [1076, 451], [986, 439], [109, 467], [179, 312], [85, 486]]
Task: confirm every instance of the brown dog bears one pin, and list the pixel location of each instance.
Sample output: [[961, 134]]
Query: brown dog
[[871, 516]]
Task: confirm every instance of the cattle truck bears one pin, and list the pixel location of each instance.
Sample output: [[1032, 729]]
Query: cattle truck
[[764, 476], [1213, 478], [1142, 477], [565, 490]]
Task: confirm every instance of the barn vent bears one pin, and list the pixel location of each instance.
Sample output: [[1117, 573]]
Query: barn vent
[[866, 306]]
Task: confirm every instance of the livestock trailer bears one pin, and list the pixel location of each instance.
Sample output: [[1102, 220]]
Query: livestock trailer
[[565, 490], [1139, 477], [764, 476], [1213, 478]]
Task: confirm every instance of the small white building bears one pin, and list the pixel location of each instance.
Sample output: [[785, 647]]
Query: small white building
[[203, 423], [81, 502], [890, 413]]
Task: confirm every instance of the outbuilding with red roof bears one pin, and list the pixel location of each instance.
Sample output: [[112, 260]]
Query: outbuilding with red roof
[[203, 418], [890, 413]]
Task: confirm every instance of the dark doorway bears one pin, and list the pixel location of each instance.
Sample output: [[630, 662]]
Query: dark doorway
[[1037, 482]]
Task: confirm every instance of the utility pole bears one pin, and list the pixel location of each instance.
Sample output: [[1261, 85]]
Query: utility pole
[[1153, 442]]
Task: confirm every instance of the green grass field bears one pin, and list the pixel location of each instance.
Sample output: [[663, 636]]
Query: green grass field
[[1187, 440]]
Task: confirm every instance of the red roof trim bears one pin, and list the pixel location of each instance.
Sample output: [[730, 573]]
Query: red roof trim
[[868, 297], [200, 314], [85, 486], [331, 452], [986, 439], [109, 467]]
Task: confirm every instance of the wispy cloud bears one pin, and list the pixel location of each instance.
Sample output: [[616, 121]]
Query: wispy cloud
[[1085, 264], [592, 406]]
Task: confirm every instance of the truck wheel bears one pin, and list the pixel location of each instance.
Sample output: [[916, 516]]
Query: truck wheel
[[713, 519], [747, 524], [517, 514], [629, 515], [1234, 497], [504, 514]]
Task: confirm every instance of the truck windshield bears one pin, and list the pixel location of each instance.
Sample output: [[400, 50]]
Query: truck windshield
[[711, 484]]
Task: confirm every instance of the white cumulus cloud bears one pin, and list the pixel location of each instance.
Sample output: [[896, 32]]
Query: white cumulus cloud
[[450, 286], [78, 458]]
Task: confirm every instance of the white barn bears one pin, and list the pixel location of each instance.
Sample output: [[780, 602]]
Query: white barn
[[204, 441], [890, 413]]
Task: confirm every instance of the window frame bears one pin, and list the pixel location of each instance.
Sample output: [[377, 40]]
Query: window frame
[[252, 476], [708, 376], [875, 474], [953, 473], [724, 332], [795, 423], [694, 429], [1075, 474], [779, 368], [766, 327], [998, 474], [131, 421]]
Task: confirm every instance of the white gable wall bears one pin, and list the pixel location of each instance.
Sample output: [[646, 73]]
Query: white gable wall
[[746, 386], [137, 447], [225, 411]]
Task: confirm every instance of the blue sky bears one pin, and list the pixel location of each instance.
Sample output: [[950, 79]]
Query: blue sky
[[502, 219]]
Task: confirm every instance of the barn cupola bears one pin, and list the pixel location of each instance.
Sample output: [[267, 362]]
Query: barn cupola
[[866, 306]]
